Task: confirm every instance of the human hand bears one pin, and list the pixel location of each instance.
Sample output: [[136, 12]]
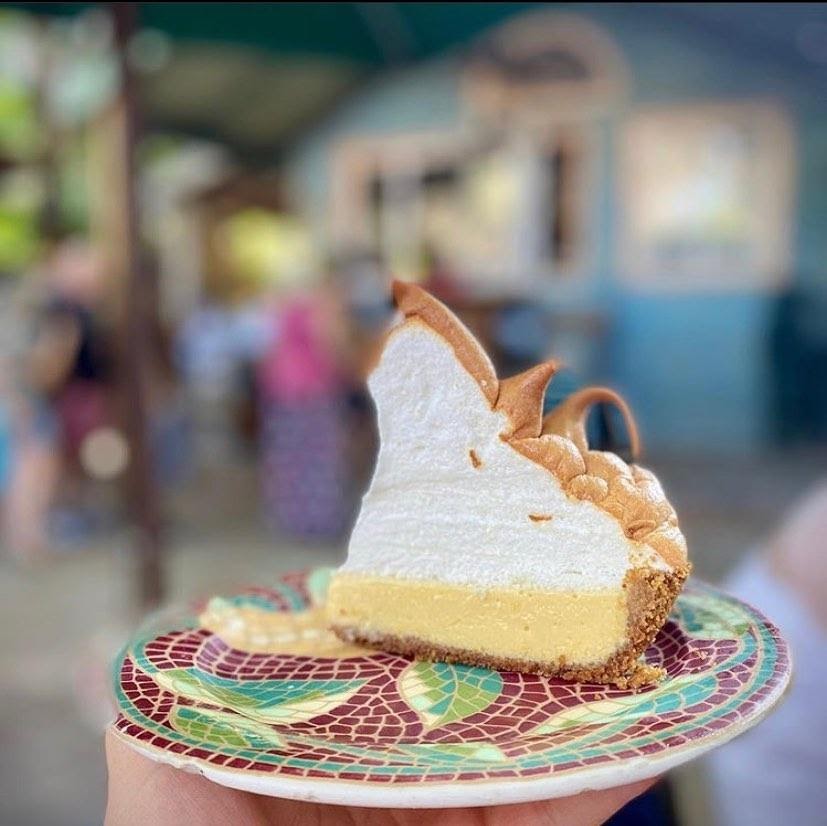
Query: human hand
[[142, 791]]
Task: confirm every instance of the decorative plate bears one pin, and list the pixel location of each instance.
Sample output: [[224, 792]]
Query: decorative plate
[[277, 705]]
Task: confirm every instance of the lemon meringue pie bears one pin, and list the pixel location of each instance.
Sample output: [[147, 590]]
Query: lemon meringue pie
[[493, 536]]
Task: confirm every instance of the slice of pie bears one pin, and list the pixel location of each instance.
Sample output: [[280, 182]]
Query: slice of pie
[[493, 536]]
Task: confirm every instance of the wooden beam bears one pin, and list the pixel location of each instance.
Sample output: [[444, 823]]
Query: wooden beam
[[136, 329]]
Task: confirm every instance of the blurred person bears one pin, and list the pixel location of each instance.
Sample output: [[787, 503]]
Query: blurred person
[[363, 284], [302, 392], [33, 473], [204, 351], [65, 396], [775, 773], [5, 446], [249, 338], [215, 352], [166, 406]]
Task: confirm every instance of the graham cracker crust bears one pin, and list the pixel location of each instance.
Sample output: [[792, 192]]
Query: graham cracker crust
[[650, 596]]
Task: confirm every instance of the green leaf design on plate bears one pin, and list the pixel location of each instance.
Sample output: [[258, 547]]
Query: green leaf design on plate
[[269, 701], [671, 695], [713, 619], [318, 582], [295, 601], [221, 728], [449, 754], [259, 601], [441, 693]]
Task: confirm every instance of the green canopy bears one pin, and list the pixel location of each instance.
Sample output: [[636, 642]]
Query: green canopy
[[253, 75], [370, 33]]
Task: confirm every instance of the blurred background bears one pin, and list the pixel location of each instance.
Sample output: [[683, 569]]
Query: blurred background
[[201, 210]]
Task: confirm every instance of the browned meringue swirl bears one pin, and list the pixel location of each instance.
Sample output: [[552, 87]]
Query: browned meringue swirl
[[558, 442]]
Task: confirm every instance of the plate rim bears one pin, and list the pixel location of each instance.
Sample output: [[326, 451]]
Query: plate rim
[[485, 792]]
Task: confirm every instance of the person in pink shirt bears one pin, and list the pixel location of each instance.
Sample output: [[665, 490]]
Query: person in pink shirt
[[302, 386]]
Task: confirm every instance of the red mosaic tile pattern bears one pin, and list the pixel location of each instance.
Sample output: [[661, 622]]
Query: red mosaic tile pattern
[[381, 718]]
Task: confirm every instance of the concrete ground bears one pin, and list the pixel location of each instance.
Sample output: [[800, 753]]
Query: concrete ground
[[61, 622]]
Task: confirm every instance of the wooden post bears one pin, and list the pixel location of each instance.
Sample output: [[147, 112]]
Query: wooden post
[[135, 331]]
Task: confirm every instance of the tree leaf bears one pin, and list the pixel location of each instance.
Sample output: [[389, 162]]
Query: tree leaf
[[221, 728], [271, 701], [441, 693]]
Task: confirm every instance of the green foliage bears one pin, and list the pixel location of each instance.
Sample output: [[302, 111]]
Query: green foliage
[[20, 135]]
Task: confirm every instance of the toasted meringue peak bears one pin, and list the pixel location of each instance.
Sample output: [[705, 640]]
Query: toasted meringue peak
[[558, 443], [521, 399], [569, 417], [414, 302]]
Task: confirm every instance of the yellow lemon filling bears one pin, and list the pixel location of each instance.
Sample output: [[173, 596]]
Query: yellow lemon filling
[[576, 627]]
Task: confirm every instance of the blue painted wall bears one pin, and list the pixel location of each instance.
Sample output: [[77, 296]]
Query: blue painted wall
[[695, 367]]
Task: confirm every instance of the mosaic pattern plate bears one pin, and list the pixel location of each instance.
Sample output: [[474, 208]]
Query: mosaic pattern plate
[[277, 705]]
